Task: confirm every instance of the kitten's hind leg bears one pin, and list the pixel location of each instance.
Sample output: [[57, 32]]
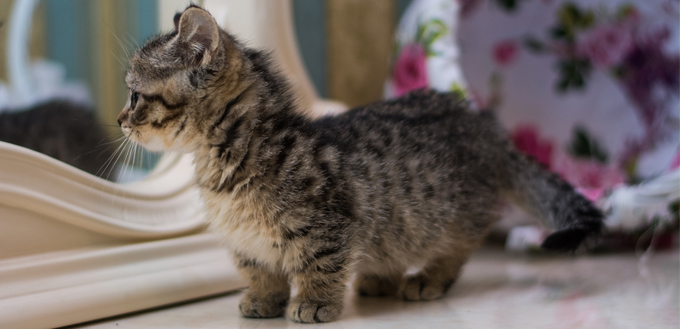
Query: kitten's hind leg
[[434, 279], [376, 285], [268, 293]]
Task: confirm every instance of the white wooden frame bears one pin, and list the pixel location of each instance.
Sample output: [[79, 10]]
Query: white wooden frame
[[74, 247]]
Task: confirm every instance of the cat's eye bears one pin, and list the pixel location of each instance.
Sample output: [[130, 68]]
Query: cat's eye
[[133, 99]]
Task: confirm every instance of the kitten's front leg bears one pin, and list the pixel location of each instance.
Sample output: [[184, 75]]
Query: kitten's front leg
[[321, 287], [268, 292]]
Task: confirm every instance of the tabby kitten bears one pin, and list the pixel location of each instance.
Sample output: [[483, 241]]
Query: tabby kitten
[[416, 181]]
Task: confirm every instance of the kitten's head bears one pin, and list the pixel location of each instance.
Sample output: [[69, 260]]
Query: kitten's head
[[173, 81]]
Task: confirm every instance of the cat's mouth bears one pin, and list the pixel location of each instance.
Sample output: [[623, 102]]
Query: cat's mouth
[[132, 134], [127, 131], [149, 141]]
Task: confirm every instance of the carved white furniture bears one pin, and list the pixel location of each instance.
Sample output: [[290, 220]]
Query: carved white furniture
[[76, 248]]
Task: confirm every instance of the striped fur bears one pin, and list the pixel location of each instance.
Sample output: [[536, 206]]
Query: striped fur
[[415, 181]]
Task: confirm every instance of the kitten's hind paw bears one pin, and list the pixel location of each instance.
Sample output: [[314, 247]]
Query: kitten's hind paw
[[376, 286], [307, 311], [420, 287], [252, 306]]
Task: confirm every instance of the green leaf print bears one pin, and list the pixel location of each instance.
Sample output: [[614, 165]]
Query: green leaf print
[[573, 73], [457, 90], [534, 45], [586, 147], [428, 33]]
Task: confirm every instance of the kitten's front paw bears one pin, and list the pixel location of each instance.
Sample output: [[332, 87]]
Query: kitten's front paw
[[253, 306], [307, 311], [420, 287]]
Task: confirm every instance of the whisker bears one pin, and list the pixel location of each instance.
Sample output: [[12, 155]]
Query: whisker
[[121, 45], [99, 145], [126, 164], [134, 157], [127, 142], [122, 66], [131, 166], [120, 42], [142, 155], [122, 175], [112, 141], [95, 122], [108, 161], [134, 40]]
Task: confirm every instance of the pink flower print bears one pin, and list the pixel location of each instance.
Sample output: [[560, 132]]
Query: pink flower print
[[504, 52], [410, 71], [651, 81], [592, 194], [676, 161], [590, 177], [527, 140], [606, 45]]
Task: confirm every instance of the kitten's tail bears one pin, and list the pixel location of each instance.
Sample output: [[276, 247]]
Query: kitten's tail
[[552, 199]]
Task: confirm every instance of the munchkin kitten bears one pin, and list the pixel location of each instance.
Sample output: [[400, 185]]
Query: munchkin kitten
[[413, 182]]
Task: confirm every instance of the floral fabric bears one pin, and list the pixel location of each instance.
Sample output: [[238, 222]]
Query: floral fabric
[[426, 51], [590, 88]]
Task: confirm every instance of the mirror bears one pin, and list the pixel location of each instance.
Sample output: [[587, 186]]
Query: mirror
[[62, 85]]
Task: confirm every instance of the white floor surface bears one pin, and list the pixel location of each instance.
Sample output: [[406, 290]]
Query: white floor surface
[[496, 290]]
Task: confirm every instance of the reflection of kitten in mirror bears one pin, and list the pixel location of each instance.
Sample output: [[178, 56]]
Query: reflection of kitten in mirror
[[414, 182], [63, 130]]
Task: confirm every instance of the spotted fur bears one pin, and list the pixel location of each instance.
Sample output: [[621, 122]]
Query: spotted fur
[[412, 182]]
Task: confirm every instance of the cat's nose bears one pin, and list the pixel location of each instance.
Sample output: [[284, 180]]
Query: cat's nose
[[121, 117]]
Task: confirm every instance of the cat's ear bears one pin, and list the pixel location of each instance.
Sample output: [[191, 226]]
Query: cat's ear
[[175, 20], [198, 35]]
